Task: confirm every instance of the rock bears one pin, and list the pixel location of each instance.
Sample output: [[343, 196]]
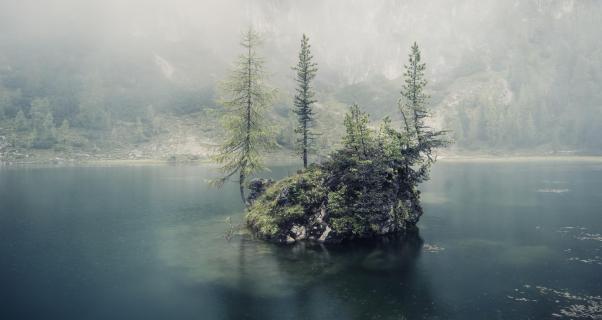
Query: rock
[[324, 235], [289, 239], [298, 232], [322, 215]]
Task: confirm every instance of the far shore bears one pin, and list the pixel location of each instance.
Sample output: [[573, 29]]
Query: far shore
[[279, 159], [526, 158]]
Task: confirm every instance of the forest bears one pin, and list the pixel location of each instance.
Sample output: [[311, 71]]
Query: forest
[[125, 91]]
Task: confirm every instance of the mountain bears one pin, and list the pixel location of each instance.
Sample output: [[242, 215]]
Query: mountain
[[509, 76]]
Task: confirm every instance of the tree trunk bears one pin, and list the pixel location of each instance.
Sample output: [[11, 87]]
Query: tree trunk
[[242, 189], [305, 158], [247, 145], [305, 145]]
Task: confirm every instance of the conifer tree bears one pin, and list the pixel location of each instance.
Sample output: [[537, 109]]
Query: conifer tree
[[63, 132], [304, 98], [421, 140], [44, 134], [413, 106], [245, 98], [358, 136], [21, 123]]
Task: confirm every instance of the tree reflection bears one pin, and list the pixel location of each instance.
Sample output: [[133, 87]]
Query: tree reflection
[[369, 279]]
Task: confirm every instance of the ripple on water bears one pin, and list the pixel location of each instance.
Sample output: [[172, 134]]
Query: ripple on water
[[567, 304], [552, 190], [432, 248], [589, 236], [581, 234]]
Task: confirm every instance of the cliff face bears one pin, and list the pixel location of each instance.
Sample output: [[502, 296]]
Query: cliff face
[[333, 202]]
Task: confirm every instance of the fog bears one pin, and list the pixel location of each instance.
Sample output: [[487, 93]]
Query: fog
[[503, 75]]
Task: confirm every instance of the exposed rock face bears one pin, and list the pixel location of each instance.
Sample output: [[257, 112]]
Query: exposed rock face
[[314, 206]]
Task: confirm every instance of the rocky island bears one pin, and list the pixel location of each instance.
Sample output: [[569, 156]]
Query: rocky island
[[366, 189]]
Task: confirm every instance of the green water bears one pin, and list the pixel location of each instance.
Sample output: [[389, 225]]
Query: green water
[[497, 241]]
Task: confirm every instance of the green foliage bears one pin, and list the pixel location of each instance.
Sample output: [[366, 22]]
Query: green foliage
[[5, 102], [304, 98], [362, 189], [358, 135], [92, 116], [44, 133], [92, 113], [412, 103], [366, 188], [532, 84], [419, 140], [10, 101], [366, 178], [63, 132], [287, 202], [21, 123], [245, 98], [66, 138]]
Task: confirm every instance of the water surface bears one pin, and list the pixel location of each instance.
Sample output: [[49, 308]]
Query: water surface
[[497, 241]]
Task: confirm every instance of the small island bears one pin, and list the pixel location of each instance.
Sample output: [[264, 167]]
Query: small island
[[365, 189]]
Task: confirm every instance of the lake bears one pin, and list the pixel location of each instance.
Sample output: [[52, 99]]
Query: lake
[[498, 240]]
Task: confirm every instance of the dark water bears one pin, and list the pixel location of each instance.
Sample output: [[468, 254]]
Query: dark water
[[498, 241]]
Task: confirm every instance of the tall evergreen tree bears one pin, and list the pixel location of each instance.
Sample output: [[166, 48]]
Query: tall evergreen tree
[[413, 100], [245, 98], [421, 140], [304, 98]]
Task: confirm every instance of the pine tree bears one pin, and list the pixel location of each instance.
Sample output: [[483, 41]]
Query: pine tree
[[63, 132], [93, 113], [21, 123], [245, 98], [413, 98], [44, 133], [304, 98], [421, 140], [359, 136]]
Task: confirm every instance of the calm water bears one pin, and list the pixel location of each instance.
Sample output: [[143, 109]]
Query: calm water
[[498, 241]]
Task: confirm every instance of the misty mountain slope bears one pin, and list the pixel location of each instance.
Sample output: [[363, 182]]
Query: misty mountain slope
[[518, 75]]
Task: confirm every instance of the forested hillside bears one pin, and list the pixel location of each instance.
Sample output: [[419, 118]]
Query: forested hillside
[[518, 76]]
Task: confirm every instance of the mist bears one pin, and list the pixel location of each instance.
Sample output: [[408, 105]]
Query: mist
[[300, 159], [504, 76]]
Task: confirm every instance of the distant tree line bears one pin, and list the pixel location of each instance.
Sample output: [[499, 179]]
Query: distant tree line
[[529, 91]]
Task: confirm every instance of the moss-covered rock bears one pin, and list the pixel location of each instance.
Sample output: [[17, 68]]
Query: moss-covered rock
[[287, 209], [366, 189], [326, 205]]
